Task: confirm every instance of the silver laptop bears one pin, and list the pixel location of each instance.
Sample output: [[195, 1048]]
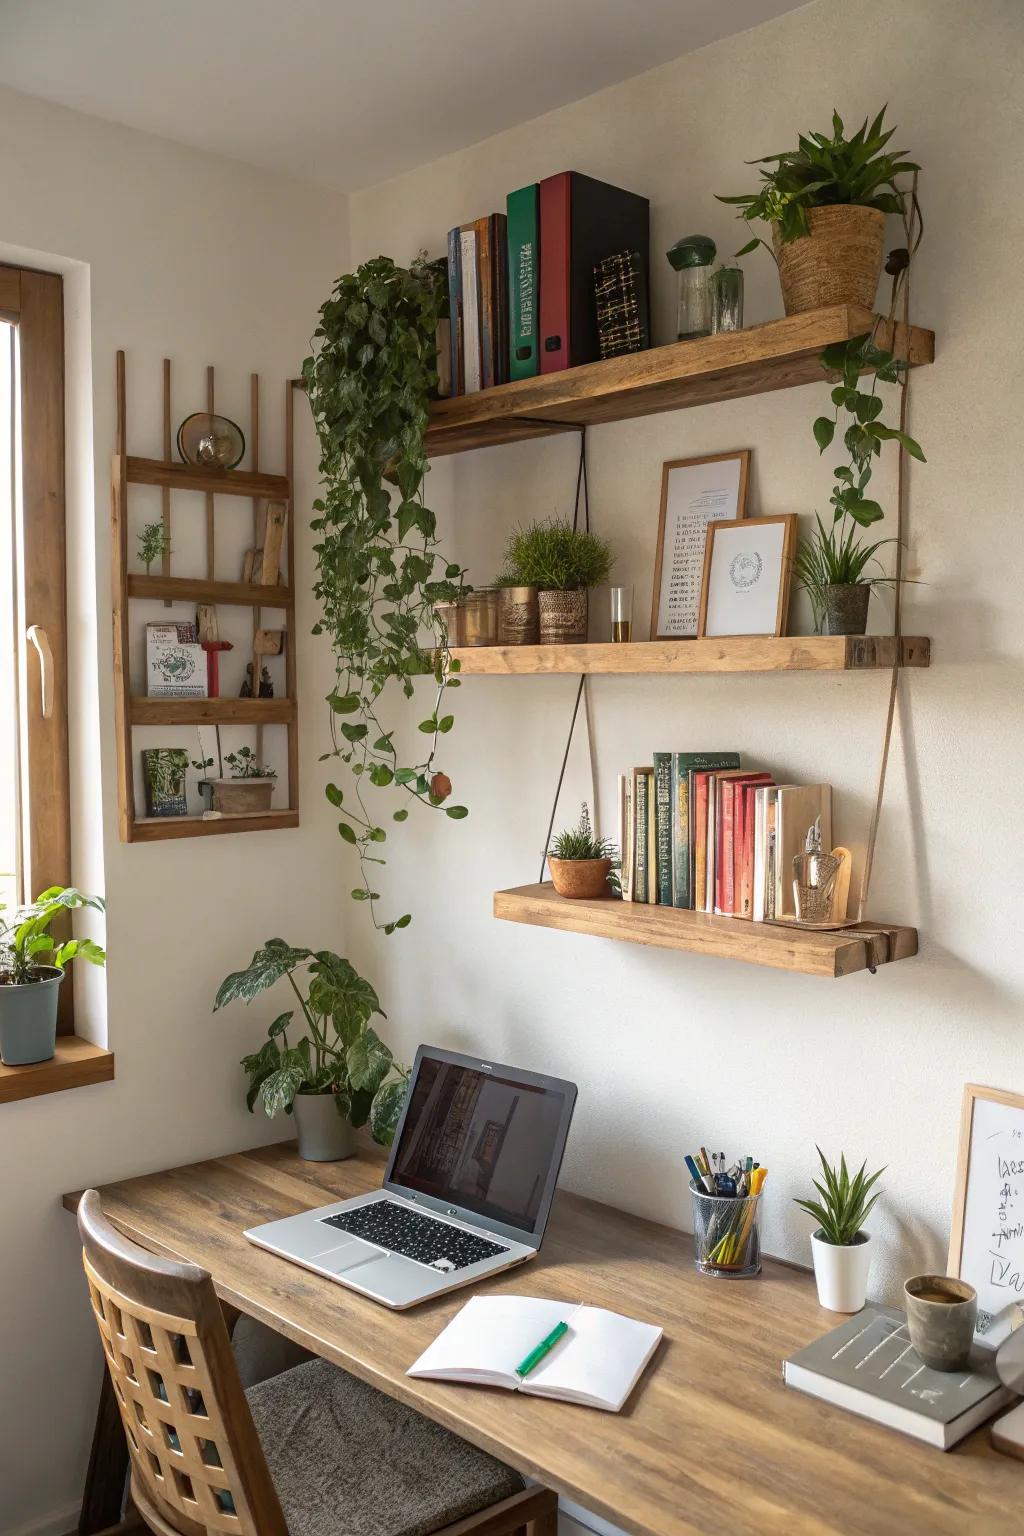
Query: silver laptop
[[467, 1191]]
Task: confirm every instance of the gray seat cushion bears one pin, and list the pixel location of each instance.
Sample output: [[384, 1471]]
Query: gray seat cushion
[[349, 1461]]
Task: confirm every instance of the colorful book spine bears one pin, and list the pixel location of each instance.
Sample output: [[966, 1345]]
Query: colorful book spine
[[485, 276], [523, 211], [499, 249], [555, 270], [725, 893], [685, 766], [626, 835], [471, 355], [663, 825], [455, 309], [652, 840], [641, 812], [700, 840]]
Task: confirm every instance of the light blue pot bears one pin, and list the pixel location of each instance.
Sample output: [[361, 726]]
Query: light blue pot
[[28, 1018]]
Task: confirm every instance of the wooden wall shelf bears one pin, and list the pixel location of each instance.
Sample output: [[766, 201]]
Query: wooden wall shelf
[[188, 589], [786, 949], [75, 1064], [798, 653], [209, 482], [157, 829], [211, 712], [777, 355]]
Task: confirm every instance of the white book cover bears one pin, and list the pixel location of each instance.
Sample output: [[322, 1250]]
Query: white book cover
[[175, 662], [626, 835], [471, 356], [597, 1362]]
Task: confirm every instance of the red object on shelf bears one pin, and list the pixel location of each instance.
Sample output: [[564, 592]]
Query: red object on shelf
[[213, 649]]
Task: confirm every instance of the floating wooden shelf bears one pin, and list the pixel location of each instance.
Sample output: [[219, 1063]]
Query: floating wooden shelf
[[856, 948], [188, 589], [724, 367], [744, 653], [211, 712], [157, 829], [210, 482], [75, 1064]]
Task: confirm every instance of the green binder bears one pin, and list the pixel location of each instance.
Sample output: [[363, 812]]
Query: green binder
[[523, 208]]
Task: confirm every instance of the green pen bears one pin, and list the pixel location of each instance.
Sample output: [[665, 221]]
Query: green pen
[[545, 1347]]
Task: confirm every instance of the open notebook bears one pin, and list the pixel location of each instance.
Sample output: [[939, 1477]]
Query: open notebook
[[597, 1362]]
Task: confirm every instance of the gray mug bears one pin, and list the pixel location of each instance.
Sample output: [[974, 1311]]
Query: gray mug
[[942, 1314]]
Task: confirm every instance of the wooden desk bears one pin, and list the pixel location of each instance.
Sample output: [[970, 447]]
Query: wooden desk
[[659, 1468]]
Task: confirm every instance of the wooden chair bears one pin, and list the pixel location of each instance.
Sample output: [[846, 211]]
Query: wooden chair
[[312, 1452]]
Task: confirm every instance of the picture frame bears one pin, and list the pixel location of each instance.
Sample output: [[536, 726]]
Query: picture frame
[[748, 568], [986, 1239], [694, 493]]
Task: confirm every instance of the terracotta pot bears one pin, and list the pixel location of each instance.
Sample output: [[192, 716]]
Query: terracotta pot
[[563, 617], [845, 609], [239, 797], [839, 262], [518, 618], [580, 879]]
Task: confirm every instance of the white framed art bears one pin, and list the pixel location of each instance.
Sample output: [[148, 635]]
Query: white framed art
[[747, 570], [986, 1241], [694, 493]]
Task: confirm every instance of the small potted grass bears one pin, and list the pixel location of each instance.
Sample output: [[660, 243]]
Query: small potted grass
[[840, 1247], [583, 866], [563, 563], [31, 970]]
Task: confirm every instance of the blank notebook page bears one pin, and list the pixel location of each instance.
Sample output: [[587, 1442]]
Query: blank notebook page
[[599, 1361], [490, 1336]]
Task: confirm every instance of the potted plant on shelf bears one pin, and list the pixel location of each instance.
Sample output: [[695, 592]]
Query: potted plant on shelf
[[331, 1067], [583, 866], [826, 203], [830, 565], [840, 1246], [249, 787], [31, 970], [563, 563]]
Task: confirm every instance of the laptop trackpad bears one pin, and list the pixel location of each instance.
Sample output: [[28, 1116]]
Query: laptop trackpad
[[346, 1257]]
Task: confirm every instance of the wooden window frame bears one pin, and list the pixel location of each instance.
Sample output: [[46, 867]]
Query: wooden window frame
[[34, 302]]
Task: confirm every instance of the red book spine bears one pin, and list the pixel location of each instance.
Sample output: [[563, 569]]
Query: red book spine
[[725, 875], [555, 253], [745, 850], [700, 841]]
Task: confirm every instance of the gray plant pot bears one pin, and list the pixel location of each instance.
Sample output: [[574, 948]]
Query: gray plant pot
[[845, 609], [28, 1018], [324, 1135]]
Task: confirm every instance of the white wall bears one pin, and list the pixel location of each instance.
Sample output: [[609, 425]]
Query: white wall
[[166, 252], [672, 1050]]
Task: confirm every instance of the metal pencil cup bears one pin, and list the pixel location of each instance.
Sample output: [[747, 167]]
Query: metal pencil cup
[[726, 1236]]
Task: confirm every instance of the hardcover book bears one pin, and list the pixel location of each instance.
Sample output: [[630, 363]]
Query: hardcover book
[[471, 352], [458, 384], [685, 765], [163, 779], [626, 834], [523, 214], [621, 305], [868, 1366], [663, 825], [641, 812], [175, 662]]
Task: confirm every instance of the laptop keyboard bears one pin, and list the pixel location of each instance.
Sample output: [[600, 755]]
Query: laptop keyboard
[[414, 1236]]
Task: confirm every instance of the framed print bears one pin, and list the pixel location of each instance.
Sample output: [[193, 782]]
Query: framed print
[[694, 493], [747, 569], [986, 1240]]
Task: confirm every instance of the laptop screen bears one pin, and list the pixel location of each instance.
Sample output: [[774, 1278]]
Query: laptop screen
[[479, 1140]]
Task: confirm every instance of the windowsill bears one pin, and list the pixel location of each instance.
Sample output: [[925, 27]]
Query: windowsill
[[77, 1063]]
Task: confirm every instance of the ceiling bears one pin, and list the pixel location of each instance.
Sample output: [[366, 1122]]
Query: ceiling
[[344, 93]]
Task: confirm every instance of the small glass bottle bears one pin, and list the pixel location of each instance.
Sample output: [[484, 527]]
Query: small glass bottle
[[727, 299], [691, 259], [622, 613]]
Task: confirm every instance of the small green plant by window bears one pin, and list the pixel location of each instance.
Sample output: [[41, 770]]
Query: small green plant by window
[[154, 543], [822, 172], [843, 1205], [26, 943], [579, 841], [244, 764], [556, 557]]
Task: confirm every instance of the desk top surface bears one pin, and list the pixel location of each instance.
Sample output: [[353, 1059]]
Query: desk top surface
[[710, 1442]]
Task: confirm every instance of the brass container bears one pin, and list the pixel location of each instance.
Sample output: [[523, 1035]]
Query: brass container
[[479, 617], [518, 616], [450, 615], [563, 617], [839, 262]]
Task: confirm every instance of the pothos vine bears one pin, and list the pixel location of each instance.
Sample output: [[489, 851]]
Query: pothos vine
[[378, 560]]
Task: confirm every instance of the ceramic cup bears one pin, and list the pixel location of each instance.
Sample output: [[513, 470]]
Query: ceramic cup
[[942, 1314]]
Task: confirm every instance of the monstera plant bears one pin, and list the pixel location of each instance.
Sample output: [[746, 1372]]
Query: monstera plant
[[330, 1048], [380, 573]]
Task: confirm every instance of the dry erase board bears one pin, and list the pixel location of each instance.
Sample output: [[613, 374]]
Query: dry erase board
[[987, 1240]]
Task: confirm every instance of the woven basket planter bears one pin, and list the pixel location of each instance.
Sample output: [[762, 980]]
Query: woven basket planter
[[563, 617], [839, 262], [518, 622]]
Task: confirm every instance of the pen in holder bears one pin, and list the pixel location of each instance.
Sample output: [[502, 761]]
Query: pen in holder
[[726, 1237]]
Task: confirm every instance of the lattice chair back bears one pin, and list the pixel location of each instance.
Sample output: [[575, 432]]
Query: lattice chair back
[[197, 1465]]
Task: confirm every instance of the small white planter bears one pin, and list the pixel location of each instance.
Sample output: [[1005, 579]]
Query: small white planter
[[842, 1273]]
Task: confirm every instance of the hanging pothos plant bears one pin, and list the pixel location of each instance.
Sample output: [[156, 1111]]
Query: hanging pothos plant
[[379, 569]]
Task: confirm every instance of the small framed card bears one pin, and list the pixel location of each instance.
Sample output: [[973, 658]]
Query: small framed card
[[986, 1243], [747, 571], [694, 493]]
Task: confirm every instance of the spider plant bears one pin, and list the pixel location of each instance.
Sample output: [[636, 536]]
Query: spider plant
[[844, 1205], [579, 842], [833, 557]]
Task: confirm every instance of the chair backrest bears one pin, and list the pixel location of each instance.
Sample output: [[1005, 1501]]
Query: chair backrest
[[195, 1454]]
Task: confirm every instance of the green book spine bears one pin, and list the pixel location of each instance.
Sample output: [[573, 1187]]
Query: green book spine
[[683, 763], [523, 208], [640, 892], [663, 825]]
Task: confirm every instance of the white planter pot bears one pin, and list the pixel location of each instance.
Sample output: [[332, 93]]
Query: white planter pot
[[842, 1273]]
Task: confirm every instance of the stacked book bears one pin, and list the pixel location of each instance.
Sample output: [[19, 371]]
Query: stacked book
[[559, 279], [697, 831]]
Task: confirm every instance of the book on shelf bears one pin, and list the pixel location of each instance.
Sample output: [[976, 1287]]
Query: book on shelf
[[522, 209], [175, 662], [685, 765], [583, 221], [663, 826], [868, 1366], [472, 358], [642, 778], [626, 835], [621, 304], [479, 304], [729, 833]]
